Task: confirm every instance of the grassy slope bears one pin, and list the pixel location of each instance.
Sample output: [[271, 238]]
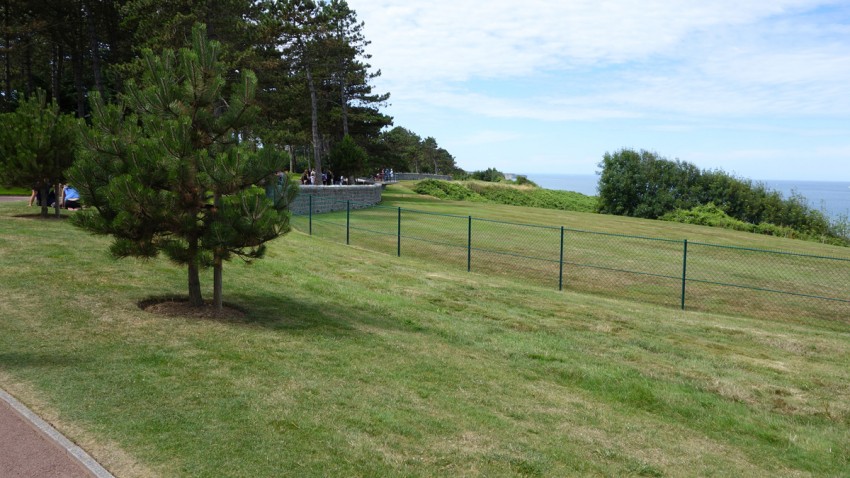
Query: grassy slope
[[402, 195], [510, 194], [363, 364]]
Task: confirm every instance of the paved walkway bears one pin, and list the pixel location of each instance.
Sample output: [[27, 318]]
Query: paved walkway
[[31, 448], [14, 198]]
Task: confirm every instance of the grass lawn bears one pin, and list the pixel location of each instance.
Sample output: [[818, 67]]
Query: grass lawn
[[351, 362], [727, 271], [4, 191]]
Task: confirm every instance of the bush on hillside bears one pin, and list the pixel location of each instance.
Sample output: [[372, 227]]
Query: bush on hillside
[[714, 216], [524, 181], [707, 215], [643, 184], [491, 175], [446, 190]]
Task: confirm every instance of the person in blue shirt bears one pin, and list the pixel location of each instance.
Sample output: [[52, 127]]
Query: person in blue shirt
[[70, 198]]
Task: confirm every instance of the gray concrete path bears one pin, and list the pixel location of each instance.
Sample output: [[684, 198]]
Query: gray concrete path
[[31, 448], [14, 198]]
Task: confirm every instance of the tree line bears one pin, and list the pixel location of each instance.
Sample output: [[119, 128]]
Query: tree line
[[644, 184], [314, 80]]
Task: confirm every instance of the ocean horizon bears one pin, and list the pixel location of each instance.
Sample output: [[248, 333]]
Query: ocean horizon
[[830, 197]]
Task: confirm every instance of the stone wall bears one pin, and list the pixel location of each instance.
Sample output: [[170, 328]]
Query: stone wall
[[335, 198]]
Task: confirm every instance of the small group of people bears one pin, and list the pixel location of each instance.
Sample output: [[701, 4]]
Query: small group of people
[[310, 177], [386, 174], [69, 197]]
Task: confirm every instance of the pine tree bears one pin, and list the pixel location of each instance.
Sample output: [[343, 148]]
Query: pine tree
[[36, 146], [171, 169]]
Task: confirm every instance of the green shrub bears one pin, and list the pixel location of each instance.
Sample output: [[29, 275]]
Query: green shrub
[[523, 181], [446, 190], [643, 184], [712, 215], [491, 175]]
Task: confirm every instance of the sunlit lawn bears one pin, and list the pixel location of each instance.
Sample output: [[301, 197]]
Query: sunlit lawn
[[352, 362], [725, 271]]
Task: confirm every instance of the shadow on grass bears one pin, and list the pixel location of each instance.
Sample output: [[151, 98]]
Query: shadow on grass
[[50, 216], [34, 359], [284, 313]]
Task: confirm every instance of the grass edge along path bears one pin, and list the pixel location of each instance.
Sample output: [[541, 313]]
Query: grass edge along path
[[364, 366]]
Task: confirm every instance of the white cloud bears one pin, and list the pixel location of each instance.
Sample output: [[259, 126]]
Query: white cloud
[[737, 84], [461, 39], [717, 57], [532, 108]]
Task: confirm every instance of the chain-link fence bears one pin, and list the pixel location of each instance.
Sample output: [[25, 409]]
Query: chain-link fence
[[682, 274]]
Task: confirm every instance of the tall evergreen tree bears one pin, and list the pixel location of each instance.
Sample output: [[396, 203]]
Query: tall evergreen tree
[[323, 59], [172, 173], [349, 72]]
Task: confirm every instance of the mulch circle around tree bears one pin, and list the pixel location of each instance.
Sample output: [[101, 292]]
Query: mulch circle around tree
[[179, 307]]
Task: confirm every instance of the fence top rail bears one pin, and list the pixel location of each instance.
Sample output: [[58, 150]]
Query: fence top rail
[[625, 236], [770, 251], [435, 213]]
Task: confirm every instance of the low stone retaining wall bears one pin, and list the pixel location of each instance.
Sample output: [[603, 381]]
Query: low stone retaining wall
[[335, 198]]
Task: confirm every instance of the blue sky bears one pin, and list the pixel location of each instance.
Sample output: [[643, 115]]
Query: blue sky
[[760, 89]]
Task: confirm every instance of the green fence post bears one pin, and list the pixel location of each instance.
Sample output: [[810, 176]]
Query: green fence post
[[347, 221], [398, 247], [684, 271], [469, 246], [561, 260], [311, 214]]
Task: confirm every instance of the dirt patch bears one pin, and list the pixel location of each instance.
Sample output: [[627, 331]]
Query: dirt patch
[[180, 307]]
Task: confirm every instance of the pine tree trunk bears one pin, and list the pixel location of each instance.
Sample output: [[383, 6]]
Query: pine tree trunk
[[195, 297], [57, 190], [45, 190], [291, 149], [7, 61], [314, 123], [95, 50], [30, 85], [79, 86], [56, 71], [218, 271], [217, 263], [344, 104]]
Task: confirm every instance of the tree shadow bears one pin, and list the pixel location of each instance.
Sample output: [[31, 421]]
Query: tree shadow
[[50, 216], [30, 359], [284, 313]]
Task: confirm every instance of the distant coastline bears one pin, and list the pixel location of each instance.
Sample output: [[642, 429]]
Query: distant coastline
[[831, 197]]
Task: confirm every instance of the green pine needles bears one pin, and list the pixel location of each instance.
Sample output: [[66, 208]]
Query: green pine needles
[[173, 168], [37, 144]]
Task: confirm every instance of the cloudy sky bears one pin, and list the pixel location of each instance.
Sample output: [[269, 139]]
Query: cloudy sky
[[757, 88]]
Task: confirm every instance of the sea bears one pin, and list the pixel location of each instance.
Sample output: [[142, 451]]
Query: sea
[[830, 197]]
